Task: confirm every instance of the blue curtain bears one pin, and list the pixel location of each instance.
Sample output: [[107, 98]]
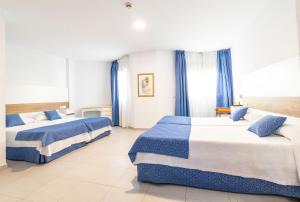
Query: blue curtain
[[224, 82], [182, 107], [114, 92]]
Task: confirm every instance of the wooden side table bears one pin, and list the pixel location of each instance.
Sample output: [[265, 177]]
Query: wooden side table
[[222, 110]]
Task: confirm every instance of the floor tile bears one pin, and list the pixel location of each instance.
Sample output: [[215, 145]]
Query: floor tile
[[87, 192], [153, 197], [123, 195], [258, 198], [129, 180], [4, 198], [69, 190], [106, 175], [27, 184], [168, 191], [203, 195], [101, 172]]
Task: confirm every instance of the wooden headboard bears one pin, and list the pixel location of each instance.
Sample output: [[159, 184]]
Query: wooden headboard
[[282, 105], [34, 107]]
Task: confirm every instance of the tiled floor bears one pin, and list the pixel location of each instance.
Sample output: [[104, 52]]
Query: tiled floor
[[100, 172]]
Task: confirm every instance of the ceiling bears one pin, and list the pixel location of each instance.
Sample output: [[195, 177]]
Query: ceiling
[[102, 29]]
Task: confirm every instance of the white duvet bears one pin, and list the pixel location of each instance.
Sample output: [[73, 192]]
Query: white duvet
[[232, 149], [217, 121], [48, 150]]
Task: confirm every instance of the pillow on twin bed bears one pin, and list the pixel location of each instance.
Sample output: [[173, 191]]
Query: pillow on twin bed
[[52, 115], [289, 131], [27, 120], [267, 125], [14, 120], [238, 114], [40, 116], [62, 115], [252, 116]]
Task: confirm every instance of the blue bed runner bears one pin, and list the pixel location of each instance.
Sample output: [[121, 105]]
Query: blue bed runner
[[166, 139], [96, 123], [53, 133], [180, 120]]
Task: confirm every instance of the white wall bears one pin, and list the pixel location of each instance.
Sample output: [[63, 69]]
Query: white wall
[[298, 22], [34, 76], [89, 84], [148, 110], [2, 89], [265, 58], [279, 79]]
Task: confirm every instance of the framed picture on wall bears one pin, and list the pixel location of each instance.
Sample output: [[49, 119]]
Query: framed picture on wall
[[146, 85]]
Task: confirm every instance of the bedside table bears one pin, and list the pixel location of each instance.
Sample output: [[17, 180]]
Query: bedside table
[[222, 111], [104, 111]]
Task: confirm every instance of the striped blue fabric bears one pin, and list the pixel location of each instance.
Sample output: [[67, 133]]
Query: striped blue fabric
[[224, 79], [182, 107], [115, 93]]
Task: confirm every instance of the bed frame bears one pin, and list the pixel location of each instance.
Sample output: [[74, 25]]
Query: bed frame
[[282, 105], [163, 174], [35, 107], [31, 154]]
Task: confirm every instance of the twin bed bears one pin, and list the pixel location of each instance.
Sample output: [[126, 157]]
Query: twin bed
[[211, 153], [43, 141], [219, 154]]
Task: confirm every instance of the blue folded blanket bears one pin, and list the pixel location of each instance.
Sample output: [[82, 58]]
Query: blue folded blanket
[[166, 139], [181, 120], [53, 133], [96, 123]]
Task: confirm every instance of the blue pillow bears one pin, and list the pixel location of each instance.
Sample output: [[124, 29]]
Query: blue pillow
[[14, 120], [267, 125], [52, 115], [238, 114]]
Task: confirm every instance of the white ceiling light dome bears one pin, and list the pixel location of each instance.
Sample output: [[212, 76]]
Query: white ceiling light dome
[[139, 24]]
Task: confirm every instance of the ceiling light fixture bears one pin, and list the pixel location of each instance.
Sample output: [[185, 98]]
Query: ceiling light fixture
[[139, 25], [128, 5]]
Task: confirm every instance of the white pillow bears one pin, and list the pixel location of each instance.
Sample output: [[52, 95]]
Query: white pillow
[[40, 117], [289, 131], [252, 116], [27, 120], [62, 115]]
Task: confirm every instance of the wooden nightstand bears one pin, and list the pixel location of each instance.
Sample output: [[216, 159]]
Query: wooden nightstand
[[222, 110]]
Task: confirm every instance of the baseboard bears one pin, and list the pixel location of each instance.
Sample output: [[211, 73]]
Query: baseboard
[[3, 167], [132, 128], [138, 128]]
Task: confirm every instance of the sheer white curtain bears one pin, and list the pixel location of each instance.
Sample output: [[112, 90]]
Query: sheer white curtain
[[202, 83], [124, 86]]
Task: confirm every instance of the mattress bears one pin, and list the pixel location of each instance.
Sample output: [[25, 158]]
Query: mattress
[[217, 121], [54, 147], [233, 150]]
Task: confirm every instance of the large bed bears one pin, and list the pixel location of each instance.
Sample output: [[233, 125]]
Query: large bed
[[219, 154], [43, 141]]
